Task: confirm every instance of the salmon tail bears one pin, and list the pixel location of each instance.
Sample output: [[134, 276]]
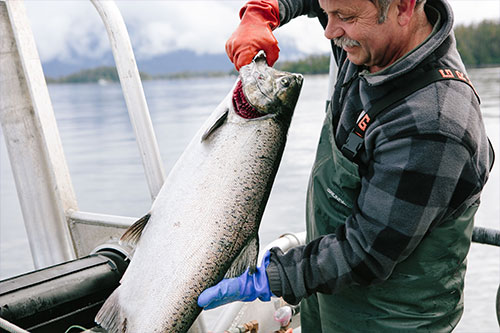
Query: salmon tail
[[246, 259], [110, 316], [133, 234]]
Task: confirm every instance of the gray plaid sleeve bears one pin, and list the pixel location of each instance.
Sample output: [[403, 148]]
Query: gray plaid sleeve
[[290, 9], [412, 182], [423, 161], [418, 168]]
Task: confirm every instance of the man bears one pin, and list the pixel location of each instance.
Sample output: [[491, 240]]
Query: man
[[401, 162]]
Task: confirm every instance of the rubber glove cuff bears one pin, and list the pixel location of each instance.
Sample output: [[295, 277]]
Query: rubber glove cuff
[[247, 287], [254, 33]]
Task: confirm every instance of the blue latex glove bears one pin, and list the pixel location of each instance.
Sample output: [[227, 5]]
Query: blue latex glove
[[247, 287]]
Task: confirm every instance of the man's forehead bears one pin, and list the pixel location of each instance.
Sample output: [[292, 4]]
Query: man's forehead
[[342, 5]]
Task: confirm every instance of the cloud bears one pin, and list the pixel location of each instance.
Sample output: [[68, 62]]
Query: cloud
[[305, 34], [473, 11], [67, 28], [163, 26]]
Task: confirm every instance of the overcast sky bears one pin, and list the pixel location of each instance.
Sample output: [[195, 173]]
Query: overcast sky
[[160, 26]]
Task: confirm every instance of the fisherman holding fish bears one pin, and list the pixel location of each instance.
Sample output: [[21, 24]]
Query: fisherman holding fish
[[400, 166]]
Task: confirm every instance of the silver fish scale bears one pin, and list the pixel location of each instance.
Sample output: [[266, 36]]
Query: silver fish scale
[[213, 229], [208, 210]]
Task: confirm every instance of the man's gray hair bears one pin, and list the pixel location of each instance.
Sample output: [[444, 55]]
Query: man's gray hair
[[383, 8]]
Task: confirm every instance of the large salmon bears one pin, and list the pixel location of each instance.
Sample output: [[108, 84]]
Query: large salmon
[[205, 220]]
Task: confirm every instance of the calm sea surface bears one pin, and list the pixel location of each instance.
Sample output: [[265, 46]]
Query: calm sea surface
[[108, 177]]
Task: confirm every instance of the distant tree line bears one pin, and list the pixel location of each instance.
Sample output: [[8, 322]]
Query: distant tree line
[[478, 44], [191, 75], [313, 64], [106, 73], [110, 74]]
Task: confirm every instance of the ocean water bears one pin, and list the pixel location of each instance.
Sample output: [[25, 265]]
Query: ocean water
[[108, 178]]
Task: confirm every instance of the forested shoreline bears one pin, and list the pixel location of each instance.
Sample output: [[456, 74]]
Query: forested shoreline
[[478, 44]]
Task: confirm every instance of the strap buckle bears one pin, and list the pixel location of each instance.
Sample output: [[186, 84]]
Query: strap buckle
[[352, 145]]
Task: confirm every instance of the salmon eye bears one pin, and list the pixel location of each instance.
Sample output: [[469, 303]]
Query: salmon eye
[[285, 82]]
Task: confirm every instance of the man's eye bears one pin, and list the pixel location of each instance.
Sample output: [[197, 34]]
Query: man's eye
[[345, 18]]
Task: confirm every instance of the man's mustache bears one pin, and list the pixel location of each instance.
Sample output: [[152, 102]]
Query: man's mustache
[[345, 42]]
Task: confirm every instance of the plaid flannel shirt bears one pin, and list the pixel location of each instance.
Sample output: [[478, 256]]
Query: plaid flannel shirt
[[423, 161]]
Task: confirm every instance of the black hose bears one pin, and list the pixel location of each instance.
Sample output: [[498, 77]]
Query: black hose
[[486, 236], [56, 297]]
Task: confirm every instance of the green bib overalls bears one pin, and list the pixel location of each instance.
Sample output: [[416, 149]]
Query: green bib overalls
[[424, 292]]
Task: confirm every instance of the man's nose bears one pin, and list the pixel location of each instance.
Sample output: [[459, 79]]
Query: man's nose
[[333, 29]]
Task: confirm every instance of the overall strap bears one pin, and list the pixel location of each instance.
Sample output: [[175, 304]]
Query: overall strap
[[408, 85]]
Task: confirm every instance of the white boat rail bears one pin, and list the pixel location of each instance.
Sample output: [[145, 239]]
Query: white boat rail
[[35, 151], [133, 93], [57, 230]]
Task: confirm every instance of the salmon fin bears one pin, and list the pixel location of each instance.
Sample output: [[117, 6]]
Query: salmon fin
[[220, 118], [110, 316], [246, 259], [133, 234]]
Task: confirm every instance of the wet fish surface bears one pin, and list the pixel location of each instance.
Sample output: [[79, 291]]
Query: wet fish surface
[[204, 223]]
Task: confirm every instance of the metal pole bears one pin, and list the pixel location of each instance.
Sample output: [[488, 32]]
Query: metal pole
[[133, 92], [486, 236], [35, 151]]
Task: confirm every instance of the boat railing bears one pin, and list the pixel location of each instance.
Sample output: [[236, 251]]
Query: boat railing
[[133, 93], [57, 230], [32, 139]]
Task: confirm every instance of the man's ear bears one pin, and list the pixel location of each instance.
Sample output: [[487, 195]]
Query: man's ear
[[405, 11]]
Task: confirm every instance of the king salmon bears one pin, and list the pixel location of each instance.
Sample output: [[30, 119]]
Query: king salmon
[[204, 223]]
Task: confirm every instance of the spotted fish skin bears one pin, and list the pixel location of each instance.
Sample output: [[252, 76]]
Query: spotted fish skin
[[204, 223]]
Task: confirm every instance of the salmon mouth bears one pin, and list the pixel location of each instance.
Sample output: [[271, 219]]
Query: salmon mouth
[[241, 105]]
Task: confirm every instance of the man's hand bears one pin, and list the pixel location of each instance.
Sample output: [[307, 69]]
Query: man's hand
[[258, 19], [247, 287]]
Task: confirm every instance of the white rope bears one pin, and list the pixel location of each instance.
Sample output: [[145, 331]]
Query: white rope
[[9, 327]]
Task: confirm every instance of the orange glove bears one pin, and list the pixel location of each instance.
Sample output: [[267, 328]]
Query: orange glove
[[258, 19]]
